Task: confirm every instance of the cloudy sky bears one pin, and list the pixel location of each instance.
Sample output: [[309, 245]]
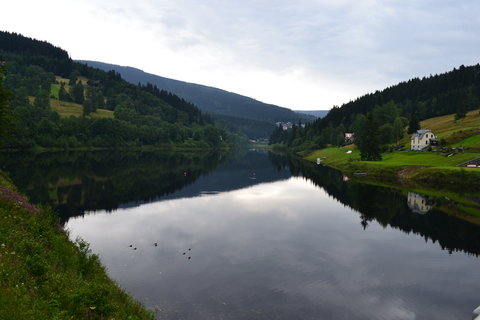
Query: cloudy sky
[[303, 54]]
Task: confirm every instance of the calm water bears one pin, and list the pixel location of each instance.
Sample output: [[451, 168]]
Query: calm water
[[264, 237]]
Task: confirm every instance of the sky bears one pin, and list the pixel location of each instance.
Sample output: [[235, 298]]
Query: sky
[[302, 54]]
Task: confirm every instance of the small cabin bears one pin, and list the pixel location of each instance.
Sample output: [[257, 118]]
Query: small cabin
[[423, 139], [349, 137]]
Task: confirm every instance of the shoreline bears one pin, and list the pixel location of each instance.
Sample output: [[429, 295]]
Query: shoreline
[[45, 275], [458, 184]]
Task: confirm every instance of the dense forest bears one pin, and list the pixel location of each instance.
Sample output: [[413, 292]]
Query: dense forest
[[391, 110], [38, 75]]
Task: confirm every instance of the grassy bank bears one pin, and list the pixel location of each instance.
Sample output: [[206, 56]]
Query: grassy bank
[[408, 168], [425, 173], [45, 276]]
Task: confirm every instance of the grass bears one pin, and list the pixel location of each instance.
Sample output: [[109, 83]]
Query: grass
[[464, 132], [445, 126], [67, 109], [424, 170], [337, 157], [45, 276], [54, 90], [470, 142]]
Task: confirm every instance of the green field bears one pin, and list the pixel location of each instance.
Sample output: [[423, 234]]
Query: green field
[[54, 91], [470, 142], [67, 109], [426, 170], [337, 157]]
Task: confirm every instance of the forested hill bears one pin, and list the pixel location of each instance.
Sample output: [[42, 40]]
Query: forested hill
[[393, 108], [58, 103], [424, 98], [209, 99], [36, 52]]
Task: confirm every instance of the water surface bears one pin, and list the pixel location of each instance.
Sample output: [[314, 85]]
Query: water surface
[[289, 249], [261, 237]]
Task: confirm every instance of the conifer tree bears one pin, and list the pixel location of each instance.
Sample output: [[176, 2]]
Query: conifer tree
[[76, 91], [414, 124], [5, 116], [42, 100], [369, 144], [63, 94]]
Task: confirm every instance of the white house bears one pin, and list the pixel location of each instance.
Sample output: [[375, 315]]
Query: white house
[[422, 139], [418, 203]]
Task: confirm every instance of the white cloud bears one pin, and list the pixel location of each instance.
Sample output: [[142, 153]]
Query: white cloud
[[303, 54]]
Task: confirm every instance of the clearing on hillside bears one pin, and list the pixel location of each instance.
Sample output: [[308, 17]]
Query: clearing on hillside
[[67, 109]]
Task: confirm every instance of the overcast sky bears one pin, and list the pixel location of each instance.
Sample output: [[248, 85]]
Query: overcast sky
[[302, 54]]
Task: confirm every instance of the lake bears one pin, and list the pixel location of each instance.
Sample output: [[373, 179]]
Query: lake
[[259, 236]]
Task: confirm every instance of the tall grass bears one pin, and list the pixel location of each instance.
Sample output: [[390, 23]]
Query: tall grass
[[45, 276]]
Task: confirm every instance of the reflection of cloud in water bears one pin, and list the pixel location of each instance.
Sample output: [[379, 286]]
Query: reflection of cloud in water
[[283, 250]]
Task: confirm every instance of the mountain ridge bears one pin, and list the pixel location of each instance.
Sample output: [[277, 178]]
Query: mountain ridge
[[209, 99]]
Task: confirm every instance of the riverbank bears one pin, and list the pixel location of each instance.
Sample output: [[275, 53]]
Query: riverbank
[[45, 276], [426, 173], [406, 168]]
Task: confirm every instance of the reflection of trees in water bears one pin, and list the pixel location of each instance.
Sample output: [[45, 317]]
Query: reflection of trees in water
[[76, 182], [388, 207]]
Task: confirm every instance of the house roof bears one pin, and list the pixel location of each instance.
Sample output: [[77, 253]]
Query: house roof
[[420, 133]]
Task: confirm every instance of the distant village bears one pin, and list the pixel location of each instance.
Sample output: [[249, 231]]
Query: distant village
[[287, 125]]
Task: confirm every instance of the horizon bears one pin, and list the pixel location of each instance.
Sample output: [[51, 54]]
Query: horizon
[[308, 56]]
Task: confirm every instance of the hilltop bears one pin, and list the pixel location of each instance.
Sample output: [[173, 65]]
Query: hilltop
[[232, 108]]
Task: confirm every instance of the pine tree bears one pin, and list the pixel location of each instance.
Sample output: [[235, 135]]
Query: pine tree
[[76, 91], [42, 100], [370, 141], [461, 112], [87, 107], [5, 115], [63, 94], [414, 124]]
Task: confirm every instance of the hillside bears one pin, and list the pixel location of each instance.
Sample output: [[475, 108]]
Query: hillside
[[435, 169], [407, 103], [56, 103], [463, 132], [212, 100]]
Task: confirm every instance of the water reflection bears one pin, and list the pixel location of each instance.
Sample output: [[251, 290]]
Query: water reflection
[[389, 208], [270, 237], [418, 203], [292, 248], [79, 181], [302, 256]]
